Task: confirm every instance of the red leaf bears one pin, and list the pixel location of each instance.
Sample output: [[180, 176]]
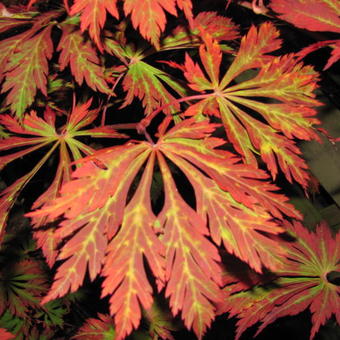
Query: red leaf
[[302, 283], [7, 23], [191, 270], [147, 83], [93, 16], [88, 246], [220, 28], [280, 79], [82, 58], [4, 335], [135, 240], [24, 59], [99, 221], [149, 18], [37, 133], [335, 55], [27, 70], [313, 15]]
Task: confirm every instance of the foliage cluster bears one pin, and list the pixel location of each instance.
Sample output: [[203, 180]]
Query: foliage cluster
[[147, 143]]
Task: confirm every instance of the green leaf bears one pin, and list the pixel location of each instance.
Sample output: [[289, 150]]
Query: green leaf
[[27, 71]]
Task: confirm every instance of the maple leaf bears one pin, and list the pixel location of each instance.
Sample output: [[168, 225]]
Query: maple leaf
[[24, 59], [97, 328], [335, 54], [191, 257], [25, 329], [82, 58], [186, 7], [303, 282], [22, 285], [23, 282], [313, 15], [96, 223], [144, 81], [232, 188], [231, 222], [103, 326], [219, 27], [27, 70], [8, 46], [149, 17], [151, 84], [36, 133], [136, 239], [287, 85], [147, 83], [111, 238], [93, 16]]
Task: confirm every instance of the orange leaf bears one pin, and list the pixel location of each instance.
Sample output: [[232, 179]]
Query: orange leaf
[[289, 107], [93, 16], [313, 15]]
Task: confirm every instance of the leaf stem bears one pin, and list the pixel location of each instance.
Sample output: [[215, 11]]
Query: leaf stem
[[109, 97], [128, 126]]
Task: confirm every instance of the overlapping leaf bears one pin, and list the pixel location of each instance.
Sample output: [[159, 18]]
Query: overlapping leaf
[[191, 260], [147, 83], [148, 16], [37, 133], [313, 15], [236, 214], [10, 45], [27, 71], [287, 110], [82, 58], [219, 27], [24, 60], [25, 328], [135, 240], [302, 283], [93, 15], [152, 86], [233, 223], [22, 284], [110, 226], [144, 81], [101, 230]]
